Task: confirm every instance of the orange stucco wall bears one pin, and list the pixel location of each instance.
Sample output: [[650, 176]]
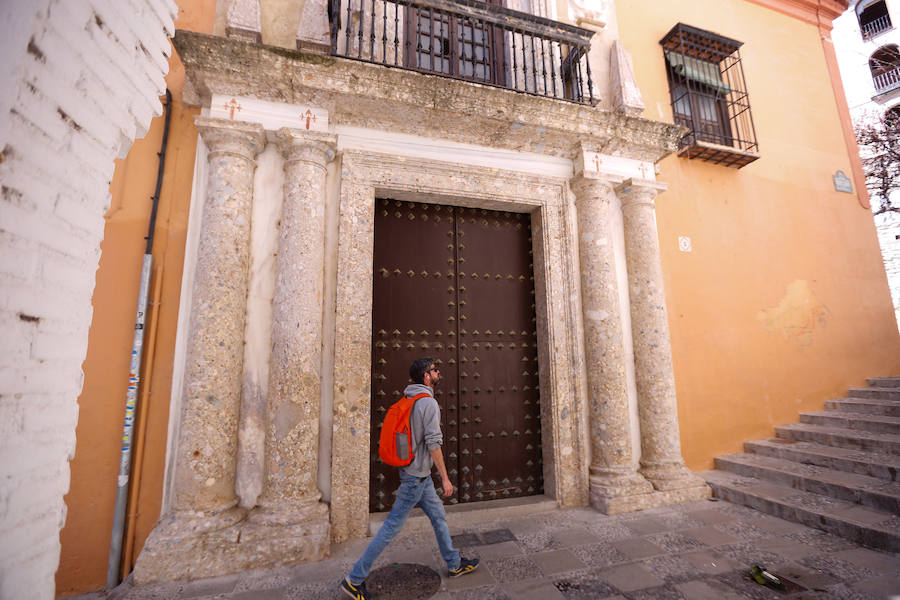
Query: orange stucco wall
[[85, 537], [782, 302]]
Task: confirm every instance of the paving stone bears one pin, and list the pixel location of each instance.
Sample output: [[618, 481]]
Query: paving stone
[[637, 548], [272, 594], [712, 563], [557, 561], [611, 531], [674, 542], [319, 590], [478, 593], [465, 540], [871, 559], [883, 586], [663, 592], [831, 563], [825, 542], [495, 536], [672, 568], [530, 590], [513, 569], [712, 516], [585, 588], [743, 529], [749, 554], [702, 590], [599, 555], [786, 548], [573, 537], [645, 526], [630, 578], [497, 551], [710, 536]]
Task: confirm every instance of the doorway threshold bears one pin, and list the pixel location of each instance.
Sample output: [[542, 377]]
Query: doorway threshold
[[472, 513]]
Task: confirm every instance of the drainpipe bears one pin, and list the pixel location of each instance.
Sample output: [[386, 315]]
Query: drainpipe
[[115, 544]]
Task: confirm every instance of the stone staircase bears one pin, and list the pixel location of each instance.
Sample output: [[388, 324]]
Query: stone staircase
[[835, 470]]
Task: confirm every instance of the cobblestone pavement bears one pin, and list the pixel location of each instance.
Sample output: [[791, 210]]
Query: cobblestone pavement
[[698, 550]]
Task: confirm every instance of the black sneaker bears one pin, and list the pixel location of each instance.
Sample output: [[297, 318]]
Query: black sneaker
[[466, 565], [357, 592]]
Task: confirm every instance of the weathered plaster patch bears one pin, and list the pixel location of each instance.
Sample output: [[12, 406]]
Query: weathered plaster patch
[[797, 315]]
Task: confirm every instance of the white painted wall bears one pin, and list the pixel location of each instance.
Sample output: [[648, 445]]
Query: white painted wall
[[80, 79], [853, 54]]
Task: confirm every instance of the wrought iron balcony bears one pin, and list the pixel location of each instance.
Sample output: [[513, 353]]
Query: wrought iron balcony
[[876, 26], [887, 81], [469, 40]]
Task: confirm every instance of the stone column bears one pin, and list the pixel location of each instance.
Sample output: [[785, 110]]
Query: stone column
[[292, 426], [199, 536], [242, 20], [207, 444], [661, 461], [613, 478]]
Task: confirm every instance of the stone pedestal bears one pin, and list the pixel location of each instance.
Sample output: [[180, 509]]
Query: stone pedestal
[[290, 494], [613, 478], [191, 538], [661, 461]]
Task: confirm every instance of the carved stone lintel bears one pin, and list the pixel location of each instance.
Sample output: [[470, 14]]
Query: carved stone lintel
[[243, 21], [626, 95]]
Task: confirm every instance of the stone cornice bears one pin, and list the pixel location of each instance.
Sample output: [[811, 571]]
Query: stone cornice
[[816, 12], [365, 95]]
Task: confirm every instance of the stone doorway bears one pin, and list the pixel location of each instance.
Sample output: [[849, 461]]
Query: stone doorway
[[457, 284]]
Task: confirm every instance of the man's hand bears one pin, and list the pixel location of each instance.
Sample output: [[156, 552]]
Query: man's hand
[[448, 487]]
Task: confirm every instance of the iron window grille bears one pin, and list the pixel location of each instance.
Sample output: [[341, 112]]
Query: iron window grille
[[709, 96], [473, 40]]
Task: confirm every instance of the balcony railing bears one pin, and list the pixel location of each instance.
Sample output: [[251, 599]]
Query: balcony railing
[[873, 28], [887, 81], [469, 40]]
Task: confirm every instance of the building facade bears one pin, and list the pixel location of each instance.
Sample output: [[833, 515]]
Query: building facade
[[582, 211], [868, 49]]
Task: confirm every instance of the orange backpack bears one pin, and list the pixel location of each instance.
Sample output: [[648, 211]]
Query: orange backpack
[[395, 443]]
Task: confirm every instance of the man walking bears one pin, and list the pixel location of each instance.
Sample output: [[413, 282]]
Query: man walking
[[416, 487]]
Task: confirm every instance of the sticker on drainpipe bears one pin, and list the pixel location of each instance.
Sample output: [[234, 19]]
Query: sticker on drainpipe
[[684, 243]]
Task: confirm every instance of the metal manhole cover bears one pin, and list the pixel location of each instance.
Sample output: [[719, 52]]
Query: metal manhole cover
[[403, 581]]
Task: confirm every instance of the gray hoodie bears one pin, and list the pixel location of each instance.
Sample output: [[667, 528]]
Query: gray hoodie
[[425, 424]]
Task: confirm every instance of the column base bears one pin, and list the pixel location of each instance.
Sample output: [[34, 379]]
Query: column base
[[176, 551], [608, 486], [653, 499], [672, 476]]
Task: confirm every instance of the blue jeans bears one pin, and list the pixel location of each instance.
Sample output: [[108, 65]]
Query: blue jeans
[[412, 491]]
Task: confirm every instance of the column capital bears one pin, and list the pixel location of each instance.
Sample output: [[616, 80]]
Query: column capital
[[588, 186], [307, 146], [234, 137], [639, 191]]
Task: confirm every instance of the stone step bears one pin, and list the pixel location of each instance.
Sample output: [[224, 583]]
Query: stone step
[[843, 438], [882, 393], [854, 421], [884, 382], [870, 406], [862, 525], [849, 487], [881, 465]]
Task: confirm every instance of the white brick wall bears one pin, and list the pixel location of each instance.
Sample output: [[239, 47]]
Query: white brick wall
[[80, 79]]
